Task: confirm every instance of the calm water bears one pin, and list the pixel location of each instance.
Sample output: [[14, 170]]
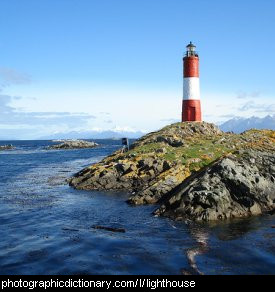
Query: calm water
[[46, 226]]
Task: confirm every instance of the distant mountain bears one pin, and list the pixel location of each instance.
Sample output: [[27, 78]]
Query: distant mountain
[[238, 125], [94, 135]]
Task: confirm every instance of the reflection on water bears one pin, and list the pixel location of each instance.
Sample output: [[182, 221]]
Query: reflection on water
[[200, 235], [46, 226], [236, 228]]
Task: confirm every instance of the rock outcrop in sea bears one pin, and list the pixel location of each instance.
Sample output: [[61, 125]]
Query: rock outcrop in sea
[[193, 170], [7, 147], [73, 144]]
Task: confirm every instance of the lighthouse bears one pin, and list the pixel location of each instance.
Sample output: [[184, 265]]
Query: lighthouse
[[191, 105]]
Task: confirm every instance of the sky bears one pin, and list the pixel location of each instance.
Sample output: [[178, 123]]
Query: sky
[[80, 65]]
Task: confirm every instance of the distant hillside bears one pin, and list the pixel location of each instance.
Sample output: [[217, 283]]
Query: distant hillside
[[238, 125], [94, 135]]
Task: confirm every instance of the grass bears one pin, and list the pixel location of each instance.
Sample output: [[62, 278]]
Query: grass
[[204, 149], [207, 150]]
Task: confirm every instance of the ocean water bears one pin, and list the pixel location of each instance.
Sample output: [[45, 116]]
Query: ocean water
[[46, 227]]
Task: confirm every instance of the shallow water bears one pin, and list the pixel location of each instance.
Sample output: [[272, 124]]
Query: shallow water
[[46, 226]]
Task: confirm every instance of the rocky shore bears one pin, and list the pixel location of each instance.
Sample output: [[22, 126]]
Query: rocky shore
[[194, 171], [239, 185], [7, 147], [73, 144]]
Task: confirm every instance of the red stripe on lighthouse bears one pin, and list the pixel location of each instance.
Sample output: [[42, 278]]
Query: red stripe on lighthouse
[[191, 110], [191, 66]]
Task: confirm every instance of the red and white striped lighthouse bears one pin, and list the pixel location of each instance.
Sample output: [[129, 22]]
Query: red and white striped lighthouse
[[191, 105]]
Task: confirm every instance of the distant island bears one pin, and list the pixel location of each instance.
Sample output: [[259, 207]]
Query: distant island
[[6, 147], [194, 171], [72, 144]]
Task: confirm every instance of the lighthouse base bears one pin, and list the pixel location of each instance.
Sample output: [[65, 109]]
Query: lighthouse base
[[191, 110]]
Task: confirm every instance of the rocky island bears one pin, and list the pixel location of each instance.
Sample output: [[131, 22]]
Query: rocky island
[[6, 147], [73, 144], [192, 171]]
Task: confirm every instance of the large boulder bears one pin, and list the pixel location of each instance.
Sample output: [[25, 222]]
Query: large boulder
[[240, 185]]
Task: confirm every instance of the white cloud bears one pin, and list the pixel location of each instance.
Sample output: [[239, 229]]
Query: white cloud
[[124, 129], [17, 119], [9, 76], [266, 108], [244, 95]]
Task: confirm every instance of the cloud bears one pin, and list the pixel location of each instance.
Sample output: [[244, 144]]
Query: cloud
[[227, 116], [243, 95], [258, 108], [4, 108], [10, 116], [108, 122], [124, 129], [9, 76]]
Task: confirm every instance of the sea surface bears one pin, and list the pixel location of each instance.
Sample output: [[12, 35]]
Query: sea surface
[[46, 227]]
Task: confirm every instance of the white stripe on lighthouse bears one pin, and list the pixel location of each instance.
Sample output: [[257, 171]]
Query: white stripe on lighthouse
[[191, 88]]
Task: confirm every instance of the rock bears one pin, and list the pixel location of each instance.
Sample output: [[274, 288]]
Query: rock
[[7, 147], [113, 229], [146, 163], [194, 160], [70, 229], [73, 144], [154, 191], [123, 167], [230, 188], [172, 141], [161, 150]]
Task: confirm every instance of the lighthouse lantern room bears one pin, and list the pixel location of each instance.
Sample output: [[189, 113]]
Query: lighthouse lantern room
[[191, 106]]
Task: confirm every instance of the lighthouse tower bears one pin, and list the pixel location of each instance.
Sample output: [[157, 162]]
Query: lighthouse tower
[[191, 105]]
